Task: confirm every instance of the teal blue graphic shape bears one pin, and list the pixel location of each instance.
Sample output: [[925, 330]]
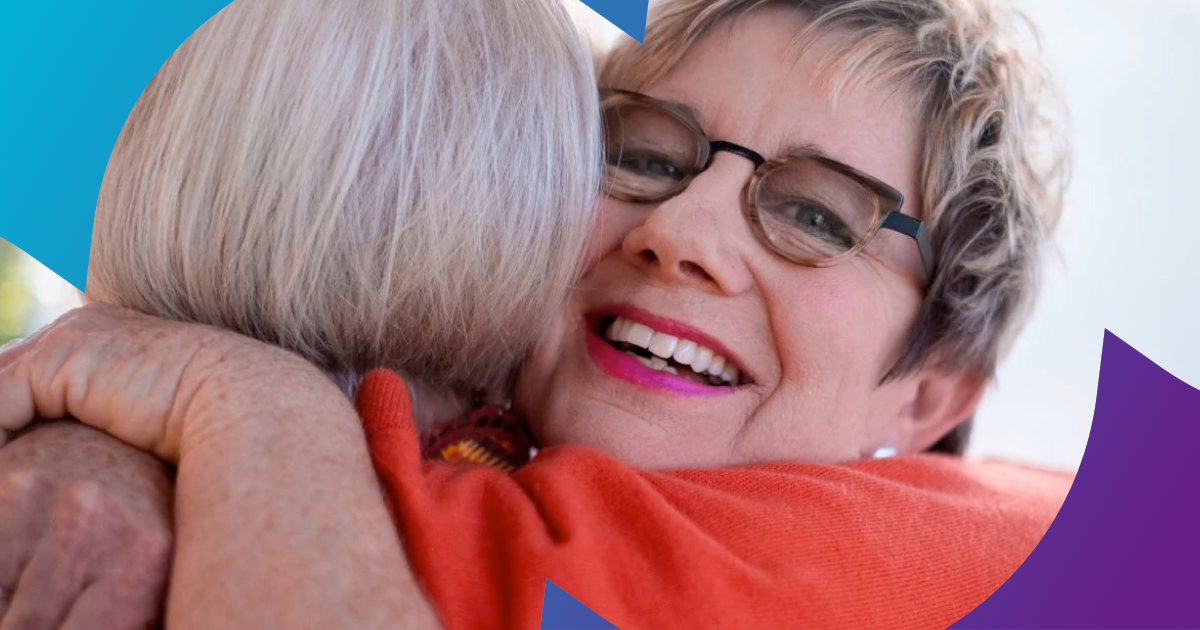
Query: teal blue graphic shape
[[72, 71]]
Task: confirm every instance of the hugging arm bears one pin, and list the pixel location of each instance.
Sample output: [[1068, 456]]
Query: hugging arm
[[905, 542], [286, 497], [280, 519], [281, 522]]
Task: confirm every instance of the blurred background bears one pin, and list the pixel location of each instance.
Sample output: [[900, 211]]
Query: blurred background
[[30, 294], [1127, 256]]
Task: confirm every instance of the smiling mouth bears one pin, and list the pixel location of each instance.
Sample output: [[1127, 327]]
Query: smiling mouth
[[667, 353]]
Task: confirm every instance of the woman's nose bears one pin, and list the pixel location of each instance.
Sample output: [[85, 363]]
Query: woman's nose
[[698, 237]]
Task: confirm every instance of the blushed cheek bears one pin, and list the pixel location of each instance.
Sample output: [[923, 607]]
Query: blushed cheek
[[825, 323], [896, 313], [874, 311], [833, 345]]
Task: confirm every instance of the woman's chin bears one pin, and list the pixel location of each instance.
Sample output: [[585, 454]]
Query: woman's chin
[[625, 437]]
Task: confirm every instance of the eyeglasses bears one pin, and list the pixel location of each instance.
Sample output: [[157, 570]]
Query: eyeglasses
[[807, 208]]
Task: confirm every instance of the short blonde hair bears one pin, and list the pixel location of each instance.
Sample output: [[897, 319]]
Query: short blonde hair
[[365, 182], [994, 165]]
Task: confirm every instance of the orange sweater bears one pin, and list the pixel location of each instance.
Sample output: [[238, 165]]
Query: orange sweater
[[912, 542]]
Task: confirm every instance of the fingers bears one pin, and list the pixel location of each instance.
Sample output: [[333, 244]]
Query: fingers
[[136, 378], [81, 513], [16, 396], [59, 590], [32, 380], [35, 379], [101, 607], [44, 594], [17, 406], [10, 351], [11, 343], [55, 575], [21, 526]]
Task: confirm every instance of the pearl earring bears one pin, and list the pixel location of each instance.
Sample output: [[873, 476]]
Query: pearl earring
[[884, 452]]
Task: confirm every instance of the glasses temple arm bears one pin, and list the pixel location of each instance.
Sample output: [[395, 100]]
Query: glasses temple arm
[[914, 228]]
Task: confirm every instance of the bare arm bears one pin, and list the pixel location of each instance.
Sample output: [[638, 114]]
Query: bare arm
[[281, 521], [280, 509]]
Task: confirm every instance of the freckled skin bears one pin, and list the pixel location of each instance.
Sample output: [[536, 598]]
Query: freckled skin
[[816, 342]]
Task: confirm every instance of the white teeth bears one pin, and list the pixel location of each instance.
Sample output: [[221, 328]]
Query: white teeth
[[686, 352], [663, 345], [717, 366], [639, 334], [701, 359]]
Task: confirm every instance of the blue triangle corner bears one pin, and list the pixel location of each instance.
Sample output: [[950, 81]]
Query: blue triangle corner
[[627, 15], [560, 611]]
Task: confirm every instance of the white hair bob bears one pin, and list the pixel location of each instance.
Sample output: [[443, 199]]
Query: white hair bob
[[400, 183]]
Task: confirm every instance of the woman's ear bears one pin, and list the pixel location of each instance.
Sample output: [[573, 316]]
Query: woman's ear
[[943, 400]]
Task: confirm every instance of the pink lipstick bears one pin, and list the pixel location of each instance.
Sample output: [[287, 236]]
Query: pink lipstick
[[627, 367]]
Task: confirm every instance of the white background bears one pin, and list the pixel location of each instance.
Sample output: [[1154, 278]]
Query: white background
[[1129, 241]]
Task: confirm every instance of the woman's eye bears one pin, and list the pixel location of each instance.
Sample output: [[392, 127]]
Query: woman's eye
[[649, 164], [819, 221]]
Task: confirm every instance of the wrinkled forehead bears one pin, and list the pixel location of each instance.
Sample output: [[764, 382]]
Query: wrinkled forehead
[[851, 54]]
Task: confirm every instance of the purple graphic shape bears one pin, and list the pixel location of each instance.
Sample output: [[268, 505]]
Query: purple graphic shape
[[1124, 551]]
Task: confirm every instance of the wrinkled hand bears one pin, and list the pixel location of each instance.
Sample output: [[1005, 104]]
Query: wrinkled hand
[[136, 377], [85, 532]]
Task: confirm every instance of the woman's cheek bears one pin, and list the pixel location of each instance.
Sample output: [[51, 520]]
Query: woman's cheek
[[613, 222], [534, 377]]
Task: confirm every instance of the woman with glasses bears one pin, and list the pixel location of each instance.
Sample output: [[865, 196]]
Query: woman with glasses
[[821, 229], [333, 179]]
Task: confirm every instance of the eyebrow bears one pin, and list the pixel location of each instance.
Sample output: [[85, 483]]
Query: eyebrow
[[812, 150], [687, 109], [804, 149]]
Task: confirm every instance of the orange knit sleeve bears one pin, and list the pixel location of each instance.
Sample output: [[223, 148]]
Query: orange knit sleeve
[[912, 542]]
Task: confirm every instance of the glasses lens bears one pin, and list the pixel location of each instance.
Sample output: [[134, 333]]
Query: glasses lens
[[650, 153], [811, 212]]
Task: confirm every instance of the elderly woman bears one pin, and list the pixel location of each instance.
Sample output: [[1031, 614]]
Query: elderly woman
[[823, 229], [332, 178]]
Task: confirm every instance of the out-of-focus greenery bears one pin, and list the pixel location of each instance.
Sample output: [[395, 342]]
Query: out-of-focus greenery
[[16, 303]]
